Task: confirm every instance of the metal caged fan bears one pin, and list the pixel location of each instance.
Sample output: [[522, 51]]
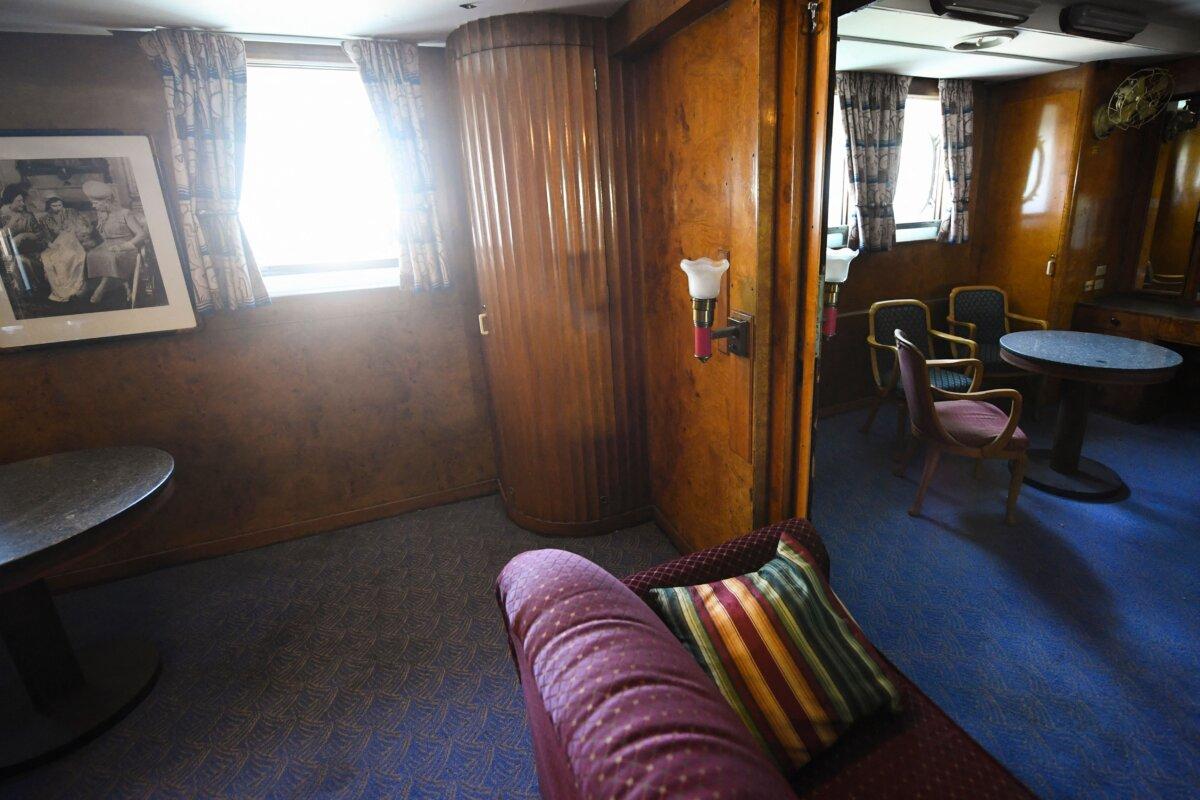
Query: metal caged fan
[[1139, 99]]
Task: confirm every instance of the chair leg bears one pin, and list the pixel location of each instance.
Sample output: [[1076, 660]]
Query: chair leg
[[1014, 488], [871, 417], [932, 456], [910, 449]]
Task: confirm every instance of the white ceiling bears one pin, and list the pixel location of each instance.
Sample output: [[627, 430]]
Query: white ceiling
[[415, 20], [906, 37]]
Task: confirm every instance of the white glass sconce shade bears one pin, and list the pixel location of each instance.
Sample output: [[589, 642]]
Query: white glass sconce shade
[[837, 264], [704, 276]]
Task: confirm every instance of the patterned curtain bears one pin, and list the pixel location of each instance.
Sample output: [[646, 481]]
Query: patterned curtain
[[958, 122], [873, 116], [393, 80], [205, 79]]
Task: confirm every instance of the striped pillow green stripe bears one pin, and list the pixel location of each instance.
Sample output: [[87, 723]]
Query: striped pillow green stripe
[[783, 651]]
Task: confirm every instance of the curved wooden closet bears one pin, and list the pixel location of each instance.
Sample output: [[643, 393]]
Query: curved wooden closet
[[545, 167]]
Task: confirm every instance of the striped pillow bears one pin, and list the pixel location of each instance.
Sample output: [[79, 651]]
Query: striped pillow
[[783, 651]]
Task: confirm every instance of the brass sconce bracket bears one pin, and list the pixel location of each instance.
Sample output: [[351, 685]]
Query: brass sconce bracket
[[738, 334]]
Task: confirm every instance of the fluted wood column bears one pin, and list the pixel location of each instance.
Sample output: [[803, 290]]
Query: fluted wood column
[[546, 184]]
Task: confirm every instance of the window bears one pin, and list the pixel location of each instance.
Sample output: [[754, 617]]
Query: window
[[318, 203], [921, 187]]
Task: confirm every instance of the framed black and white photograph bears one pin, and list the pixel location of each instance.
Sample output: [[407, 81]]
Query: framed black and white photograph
[[87, 249]]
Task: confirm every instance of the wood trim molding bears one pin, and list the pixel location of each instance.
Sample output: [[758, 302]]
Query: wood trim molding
[[664, 525], [805, 79], [88, 576], [639, 25]]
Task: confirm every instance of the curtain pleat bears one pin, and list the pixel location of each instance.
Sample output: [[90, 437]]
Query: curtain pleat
[[392, 78], [958, 122], [873, 115], [204, 76]]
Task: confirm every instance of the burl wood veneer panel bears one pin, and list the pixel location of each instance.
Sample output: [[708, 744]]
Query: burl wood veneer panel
[[308, 414], [1029, 172], [697, 105], [546, 186]]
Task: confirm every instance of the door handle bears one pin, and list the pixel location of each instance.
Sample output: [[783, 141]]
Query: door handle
[[483, 329], [1051, 264]]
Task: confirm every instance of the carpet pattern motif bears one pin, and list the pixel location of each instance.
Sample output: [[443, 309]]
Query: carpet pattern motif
[[369, 662], [1069, 644]]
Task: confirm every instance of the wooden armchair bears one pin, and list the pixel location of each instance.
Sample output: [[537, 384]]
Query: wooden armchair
[[964, 423], [912, 318], [981, 314]]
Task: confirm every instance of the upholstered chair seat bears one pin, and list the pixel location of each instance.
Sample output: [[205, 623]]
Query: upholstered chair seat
[[975, 423], [947, 380]]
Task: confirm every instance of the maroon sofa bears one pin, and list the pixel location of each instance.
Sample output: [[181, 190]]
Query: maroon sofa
[[617, 707]]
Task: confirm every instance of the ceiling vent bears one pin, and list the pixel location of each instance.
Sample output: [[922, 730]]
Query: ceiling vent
[[984, 41], [1098, 22], [989, 12]]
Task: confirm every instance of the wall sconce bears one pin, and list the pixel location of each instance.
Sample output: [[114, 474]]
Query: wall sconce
[[704, 284], [837, 269]]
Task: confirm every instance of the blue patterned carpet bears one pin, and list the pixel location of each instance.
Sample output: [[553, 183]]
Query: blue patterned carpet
[[1069, 644], [370, 662]]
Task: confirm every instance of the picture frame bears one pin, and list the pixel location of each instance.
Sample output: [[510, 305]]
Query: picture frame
[[89, 248]]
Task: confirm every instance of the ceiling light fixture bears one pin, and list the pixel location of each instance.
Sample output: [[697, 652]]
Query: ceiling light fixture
[[467, 6], [989, 12], [984, 41], [1098, 22]]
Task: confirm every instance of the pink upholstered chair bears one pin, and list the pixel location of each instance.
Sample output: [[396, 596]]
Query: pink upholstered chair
[[963, 423]]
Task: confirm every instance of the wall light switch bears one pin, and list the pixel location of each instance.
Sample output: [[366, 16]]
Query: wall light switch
[[1099, 284], [1102, 270], [1087, 285]]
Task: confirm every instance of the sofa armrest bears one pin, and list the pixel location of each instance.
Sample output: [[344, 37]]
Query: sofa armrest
[[618, 708], [729, 559]]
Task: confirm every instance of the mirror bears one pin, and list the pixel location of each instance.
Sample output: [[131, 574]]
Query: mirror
[[1167, 255]]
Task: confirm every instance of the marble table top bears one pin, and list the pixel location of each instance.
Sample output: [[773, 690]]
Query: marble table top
[[1090, 351], [46, 501]]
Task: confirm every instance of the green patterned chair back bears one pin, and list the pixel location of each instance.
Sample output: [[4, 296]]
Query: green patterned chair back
[[985, 309], [911, 319]]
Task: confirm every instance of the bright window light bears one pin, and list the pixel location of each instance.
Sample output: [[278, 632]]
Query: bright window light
[[318, 203], [920, 187]]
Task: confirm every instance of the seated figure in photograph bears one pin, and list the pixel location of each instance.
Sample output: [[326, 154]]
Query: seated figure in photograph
[[64, 257], [27, 234], [120, 231]]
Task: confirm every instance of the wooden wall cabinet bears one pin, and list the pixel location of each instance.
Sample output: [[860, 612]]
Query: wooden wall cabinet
[[549, 220]]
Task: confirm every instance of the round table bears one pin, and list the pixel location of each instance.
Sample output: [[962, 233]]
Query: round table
[[1080, 359], [53, 511]]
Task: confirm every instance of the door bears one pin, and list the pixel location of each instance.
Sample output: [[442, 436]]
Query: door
[[1022, 215]]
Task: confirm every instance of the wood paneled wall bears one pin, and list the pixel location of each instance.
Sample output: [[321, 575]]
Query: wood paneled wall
[[1104, 221], [1026, 186], [551, 248], [1062, 191], [309, 414], [703, 118]]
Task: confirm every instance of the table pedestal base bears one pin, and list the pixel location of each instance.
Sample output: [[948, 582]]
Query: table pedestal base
[[64, 697], [1089, 481]]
